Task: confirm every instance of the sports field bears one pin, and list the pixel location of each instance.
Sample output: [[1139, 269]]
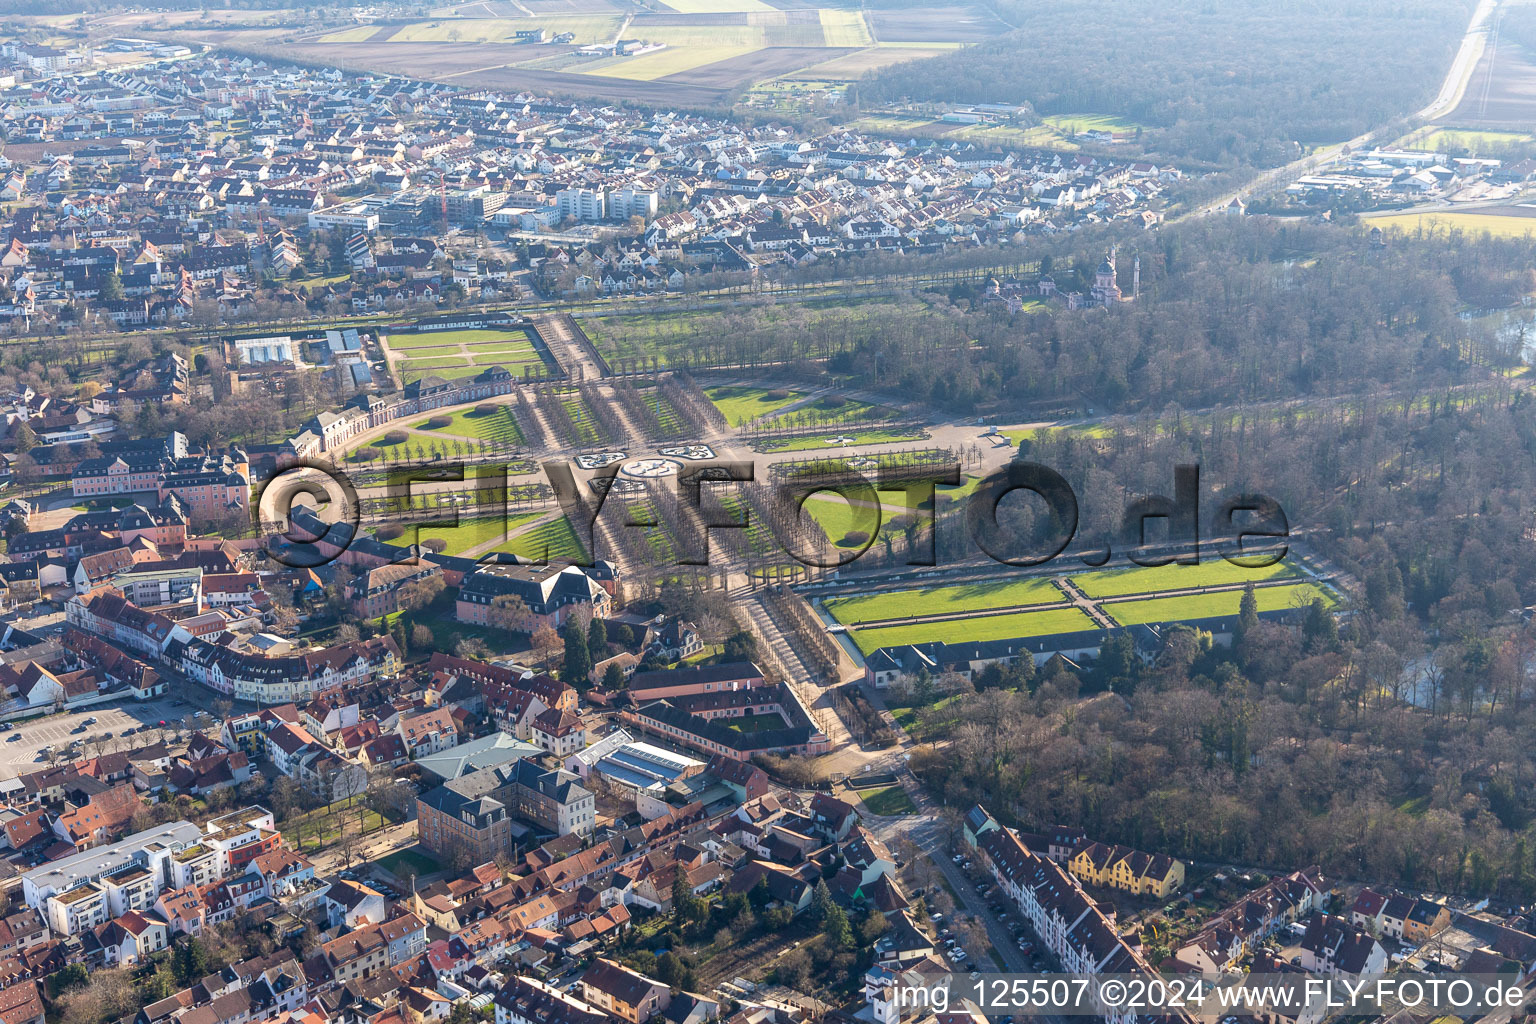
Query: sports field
[[1073, 123], [967, 597], [1201, 606], [998, 627], [1147, 580]]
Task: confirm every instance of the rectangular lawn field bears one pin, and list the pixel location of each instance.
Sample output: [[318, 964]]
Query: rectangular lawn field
[[497, 425], [966, 597], [431, 339], [1019, 625], [1150, 579], [1204, 606], [742, 405], [553, 540]]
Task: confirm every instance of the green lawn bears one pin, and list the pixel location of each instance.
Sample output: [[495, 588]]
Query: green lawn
[[742, 405], [837, 518], [1073, 123], [1148, 580], [403, 863], [888, 802], [556, 534], [433, 339], [824, 442], [498, 425], [968, 597], [833, 411], [1201, 606], [995, 627], [755, 723], [471, 532]]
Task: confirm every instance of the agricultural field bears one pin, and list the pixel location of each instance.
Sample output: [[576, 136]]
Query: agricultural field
[[1501, 92], [715, 48], [1509, 224], [498, 425], [1151, 579], [1200, 606], [1469, 140], [965, 597], [1021, 625], [844, 28], [673, 60], [742, 404], [718, 6]]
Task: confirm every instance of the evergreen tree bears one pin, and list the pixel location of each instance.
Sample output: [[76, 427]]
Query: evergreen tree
[[578, 660], [822, 903], [836, 928], [1320, 627], [1247, 614], [597, 639], [613, 677]]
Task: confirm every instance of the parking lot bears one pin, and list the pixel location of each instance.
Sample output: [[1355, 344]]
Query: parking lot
[[22, 745]]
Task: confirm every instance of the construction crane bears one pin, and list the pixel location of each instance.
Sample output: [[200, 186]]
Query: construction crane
[[442, 195]]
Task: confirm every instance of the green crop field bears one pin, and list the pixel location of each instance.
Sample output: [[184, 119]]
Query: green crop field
[[970, 597], [742, 405], [497, 425], [1148, 580], [1020, 625], [1202, 606]]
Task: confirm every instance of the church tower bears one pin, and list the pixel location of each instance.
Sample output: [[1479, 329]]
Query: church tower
[[1105, 290]]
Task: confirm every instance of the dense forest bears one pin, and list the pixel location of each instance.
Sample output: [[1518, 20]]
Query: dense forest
[[1231, 310], [1243, 81]]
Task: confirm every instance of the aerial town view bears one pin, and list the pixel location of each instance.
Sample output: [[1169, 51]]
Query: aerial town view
[[767, 512]]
